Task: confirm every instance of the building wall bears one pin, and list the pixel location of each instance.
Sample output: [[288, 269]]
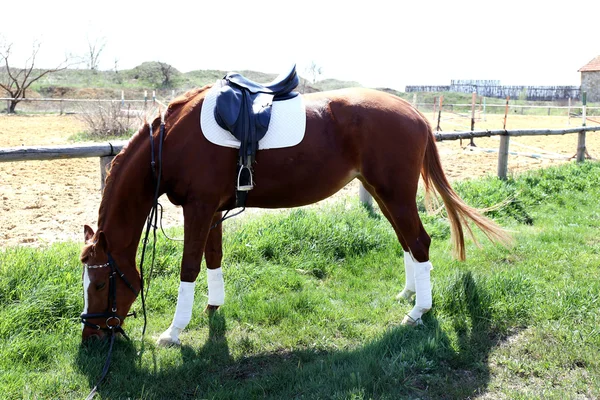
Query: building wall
[[590, 83]]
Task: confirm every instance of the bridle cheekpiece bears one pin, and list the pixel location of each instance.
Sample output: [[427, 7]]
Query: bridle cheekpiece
[[113, 320]]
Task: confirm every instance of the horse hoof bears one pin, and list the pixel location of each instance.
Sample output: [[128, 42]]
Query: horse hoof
[[409, 321], [210, 309], [168, 342]]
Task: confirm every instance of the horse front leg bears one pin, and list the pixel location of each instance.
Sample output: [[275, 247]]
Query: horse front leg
[[197, 223]]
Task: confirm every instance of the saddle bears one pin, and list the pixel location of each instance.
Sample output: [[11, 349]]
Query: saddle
[[243, 107]]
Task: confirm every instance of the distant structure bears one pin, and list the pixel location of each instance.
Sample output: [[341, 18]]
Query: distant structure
[[590, 79], [493, 88]]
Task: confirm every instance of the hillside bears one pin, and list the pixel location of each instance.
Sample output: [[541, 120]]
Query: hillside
[[161, 77]]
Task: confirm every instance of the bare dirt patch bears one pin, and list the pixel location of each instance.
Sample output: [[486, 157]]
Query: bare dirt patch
[[47, 201]]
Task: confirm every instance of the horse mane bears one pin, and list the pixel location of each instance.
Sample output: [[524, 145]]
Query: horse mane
[[136, 140]]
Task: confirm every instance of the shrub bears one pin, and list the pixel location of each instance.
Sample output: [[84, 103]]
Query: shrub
[[107, 119]]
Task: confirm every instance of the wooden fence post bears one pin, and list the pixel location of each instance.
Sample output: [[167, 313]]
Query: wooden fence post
[[104, 168], [439, 119], [503, 157], [506, 111], [581, 135], [472, 142], [364, 196]]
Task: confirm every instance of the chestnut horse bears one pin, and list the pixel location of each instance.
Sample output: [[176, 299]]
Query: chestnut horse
[[366, 134]]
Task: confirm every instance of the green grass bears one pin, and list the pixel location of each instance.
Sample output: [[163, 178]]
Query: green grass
[[310, 309]]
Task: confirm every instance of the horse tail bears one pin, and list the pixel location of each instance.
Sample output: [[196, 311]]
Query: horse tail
[[459, 213]]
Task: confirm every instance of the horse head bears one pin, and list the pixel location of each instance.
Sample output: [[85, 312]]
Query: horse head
[[108, 293]]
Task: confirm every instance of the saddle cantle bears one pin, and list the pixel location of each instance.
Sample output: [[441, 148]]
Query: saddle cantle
[[243, 107]]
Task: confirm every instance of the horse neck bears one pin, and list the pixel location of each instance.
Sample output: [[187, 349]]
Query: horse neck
[[130, 194]]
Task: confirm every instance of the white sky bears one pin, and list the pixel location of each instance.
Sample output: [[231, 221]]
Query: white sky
[[375, 42]]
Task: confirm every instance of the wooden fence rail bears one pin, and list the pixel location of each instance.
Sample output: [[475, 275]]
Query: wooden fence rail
[[106, 151]]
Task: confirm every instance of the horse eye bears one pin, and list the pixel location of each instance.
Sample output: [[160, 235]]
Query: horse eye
[[100, 286]]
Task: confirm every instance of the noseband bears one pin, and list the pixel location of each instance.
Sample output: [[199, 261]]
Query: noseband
[[113, 320]]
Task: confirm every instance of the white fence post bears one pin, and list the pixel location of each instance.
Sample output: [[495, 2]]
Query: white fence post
[[364, 196]]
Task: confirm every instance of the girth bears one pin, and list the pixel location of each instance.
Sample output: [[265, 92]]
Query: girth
[[243, 107]]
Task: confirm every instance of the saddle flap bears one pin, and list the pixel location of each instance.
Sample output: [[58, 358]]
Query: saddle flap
[[262, 112], [228, 107]]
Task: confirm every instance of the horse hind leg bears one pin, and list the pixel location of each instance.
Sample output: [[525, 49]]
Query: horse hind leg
[[416, 263], [408, 292], [404, 217]]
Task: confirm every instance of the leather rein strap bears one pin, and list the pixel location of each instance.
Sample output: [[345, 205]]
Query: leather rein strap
[[113, 320]]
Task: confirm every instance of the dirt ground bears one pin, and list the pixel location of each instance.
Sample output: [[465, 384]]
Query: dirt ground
[[48, 201]]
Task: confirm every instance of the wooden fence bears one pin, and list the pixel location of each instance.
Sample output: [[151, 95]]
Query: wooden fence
[[107, 151], [63, 104]]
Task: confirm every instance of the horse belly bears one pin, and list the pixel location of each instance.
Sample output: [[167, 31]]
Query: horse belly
[[286, 178]]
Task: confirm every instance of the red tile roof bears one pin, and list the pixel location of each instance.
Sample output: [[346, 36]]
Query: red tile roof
[[593, 65]]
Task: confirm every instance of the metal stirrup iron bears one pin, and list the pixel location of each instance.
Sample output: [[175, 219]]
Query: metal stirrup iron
[[244, 179]]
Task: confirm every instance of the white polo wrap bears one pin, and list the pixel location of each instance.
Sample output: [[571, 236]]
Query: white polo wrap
[[216, 287], [185, 302], [423, 288]]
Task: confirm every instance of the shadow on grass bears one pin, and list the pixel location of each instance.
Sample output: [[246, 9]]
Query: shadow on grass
[[404, 362]]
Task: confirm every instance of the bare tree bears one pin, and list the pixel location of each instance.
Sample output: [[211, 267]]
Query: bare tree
[[16, 81], [314, 71], [167, 71], [94, 50]]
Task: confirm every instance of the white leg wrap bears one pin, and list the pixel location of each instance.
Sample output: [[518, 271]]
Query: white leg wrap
[[183, 314], [409, 273], [216, 287], [423, 289]]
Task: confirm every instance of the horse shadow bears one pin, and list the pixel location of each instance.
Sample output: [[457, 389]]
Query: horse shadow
[[405, 362]]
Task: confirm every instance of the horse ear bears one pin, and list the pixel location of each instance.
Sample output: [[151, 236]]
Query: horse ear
[[88, 233], [101, 242]]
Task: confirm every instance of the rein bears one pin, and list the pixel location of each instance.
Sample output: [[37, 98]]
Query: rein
[[153, 217], [113, 320]]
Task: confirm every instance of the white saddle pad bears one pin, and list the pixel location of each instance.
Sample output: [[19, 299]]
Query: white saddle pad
[[286, 128]]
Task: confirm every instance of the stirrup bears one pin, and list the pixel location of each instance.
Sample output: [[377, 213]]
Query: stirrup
[[244, 186]]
